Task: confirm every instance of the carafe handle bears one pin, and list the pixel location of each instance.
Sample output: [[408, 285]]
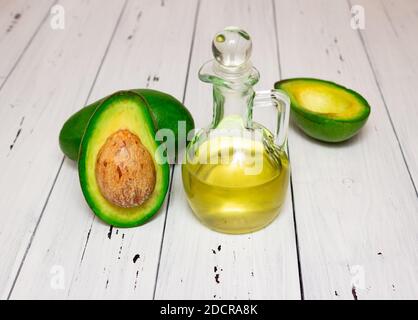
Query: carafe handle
[[280, 101]]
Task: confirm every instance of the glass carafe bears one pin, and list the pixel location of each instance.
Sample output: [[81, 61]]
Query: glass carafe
[[236, 171]]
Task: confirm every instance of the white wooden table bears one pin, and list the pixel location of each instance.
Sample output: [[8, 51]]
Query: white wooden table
[[349, 229]]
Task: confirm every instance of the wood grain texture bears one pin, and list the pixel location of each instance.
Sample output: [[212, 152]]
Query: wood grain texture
[[355, 203], [197, 263], [356, 209], [19, 22], [150, 48], [389, 37], [35, 101]]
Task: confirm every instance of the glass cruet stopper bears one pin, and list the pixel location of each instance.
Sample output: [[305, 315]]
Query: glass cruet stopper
[[231, 65], [232, 49]]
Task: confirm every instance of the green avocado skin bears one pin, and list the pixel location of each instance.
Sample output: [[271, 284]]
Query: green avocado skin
[[321, 127], [165, 109], [83, 165], [326, 130]]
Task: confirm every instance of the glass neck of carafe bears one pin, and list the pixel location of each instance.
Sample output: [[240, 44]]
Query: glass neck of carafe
[[229, 102]]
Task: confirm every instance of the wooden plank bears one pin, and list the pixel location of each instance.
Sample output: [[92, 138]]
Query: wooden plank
[[196, 262], [150, 49], [36, 99], [390, 39], [355, 206], [19, 22]]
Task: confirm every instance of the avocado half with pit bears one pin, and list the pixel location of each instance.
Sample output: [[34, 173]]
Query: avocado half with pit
[[325, 110], [122, 172]]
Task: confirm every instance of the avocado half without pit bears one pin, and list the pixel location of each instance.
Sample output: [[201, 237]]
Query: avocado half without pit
[[325, 110], [123, 175]]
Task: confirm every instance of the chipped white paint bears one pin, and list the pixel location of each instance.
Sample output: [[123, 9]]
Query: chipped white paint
[[99, 261], [355, 206], [19, 22], [395, 58], [38, 90], [352, 200], [255, 266]]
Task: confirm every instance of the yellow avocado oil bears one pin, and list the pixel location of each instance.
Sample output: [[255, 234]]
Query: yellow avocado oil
[[234, 185]]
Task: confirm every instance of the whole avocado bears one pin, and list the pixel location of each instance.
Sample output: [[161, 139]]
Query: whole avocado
[[166, 110]]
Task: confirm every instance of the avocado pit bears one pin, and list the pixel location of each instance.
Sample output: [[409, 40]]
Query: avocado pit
[[125, 171]]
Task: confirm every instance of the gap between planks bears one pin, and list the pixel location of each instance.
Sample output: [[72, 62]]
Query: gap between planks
[[25, 48], [292, 195], [363, 43], [62, 161], [174, 166]]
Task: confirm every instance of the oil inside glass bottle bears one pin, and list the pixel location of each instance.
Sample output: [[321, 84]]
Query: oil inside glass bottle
[[234, 185]]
